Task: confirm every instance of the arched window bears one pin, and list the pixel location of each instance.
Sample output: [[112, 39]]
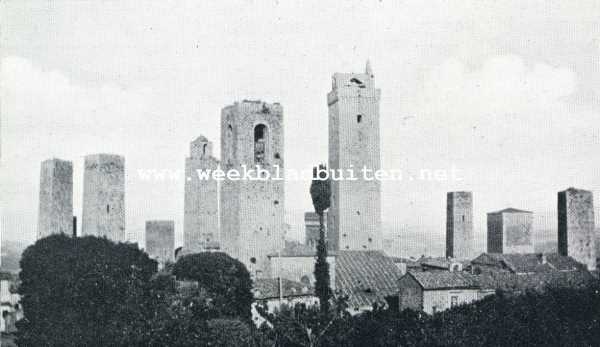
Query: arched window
[[204, 149], [359, 118], [229, 144], [260, 143]]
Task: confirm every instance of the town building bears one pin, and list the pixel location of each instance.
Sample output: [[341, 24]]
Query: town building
[[510, 231], [160, 241], [252, 213], [10, 303], [576, 229], [523, 264], [296, 262], [273, 293], [56, 198], [459, 225], [354, 219], [104, 197], [433, 292], [201, 205]]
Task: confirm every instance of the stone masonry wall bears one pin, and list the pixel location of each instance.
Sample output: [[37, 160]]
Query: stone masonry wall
[[55, 213]]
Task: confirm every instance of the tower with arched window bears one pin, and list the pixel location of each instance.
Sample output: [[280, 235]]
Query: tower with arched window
[[201, 205], [252, 210], [354, 218]]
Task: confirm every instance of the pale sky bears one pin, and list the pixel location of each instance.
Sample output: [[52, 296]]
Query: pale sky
[[507, 92]]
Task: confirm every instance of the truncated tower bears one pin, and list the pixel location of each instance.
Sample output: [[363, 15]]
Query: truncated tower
[[354, 219], [104, 196], [55, 215], [160, 241], [576, 227], [252, 211], [201, 216]]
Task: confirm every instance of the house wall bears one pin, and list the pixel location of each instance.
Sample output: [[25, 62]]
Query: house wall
[[274, 304], [441, 299], [411, 294]]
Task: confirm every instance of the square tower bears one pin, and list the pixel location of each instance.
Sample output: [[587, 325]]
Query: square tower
[[459, 225], [252, 211], [576, 230], [354, 219], [104, 197], [160, 241], [510, 231], [201, 205], [55, 215]]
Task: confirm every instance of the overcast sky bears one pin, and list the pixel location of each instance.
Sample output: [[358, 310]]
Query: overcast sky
[[507, 92]]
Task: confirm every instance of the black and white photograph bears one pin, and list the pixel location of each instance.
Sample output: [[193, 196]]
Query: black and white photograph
[[273, 173]]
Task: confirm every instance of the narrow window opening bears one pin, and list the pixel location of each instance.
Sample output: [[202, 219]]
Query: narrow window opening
[[260, 139], [107, 208], [204, 149], [359, 118]]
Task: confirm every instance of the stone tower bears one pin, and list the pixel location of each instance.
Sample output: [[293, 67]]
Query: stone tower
[[55, 213], [104, 196], [459, 225], [354, 219], [252, 211], [160, 241], [576, 230], [510, 231], [201, 216]]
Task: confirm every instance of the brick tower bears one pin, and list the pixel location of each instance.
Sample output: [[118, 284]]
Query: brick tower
[[576, 230], [459, 225], [55, 213], [104, 196], [354, 219], [201, 216], [252, 211]]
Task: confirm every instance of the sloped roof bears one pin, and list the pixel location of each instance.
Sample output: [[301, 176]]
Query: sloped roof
[[431, 280], [536, 281], [528, 262], [366, 277], [510, 210], [268, 288]]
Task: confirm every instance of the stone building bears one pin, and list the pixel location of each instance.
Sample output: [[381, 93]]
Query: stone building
[[296, 262], [252, 213], [354, 220], [201, 205], [160, 241], [55, 213], [459, 225], [104, 197], [576, 230], [433, 292], [311, 228], [510, 231]]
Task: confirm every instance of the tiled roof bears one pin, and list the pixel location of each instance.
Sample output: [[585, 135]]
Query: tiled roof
[[536, 281], [366, 277], [268, 288], [430, 280], [511, 210], [410, 263], [529, 262]]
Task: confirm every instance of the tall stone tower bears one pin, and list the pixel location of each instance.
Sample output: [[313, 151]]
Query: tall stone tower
[[354, 219], [55, 213], [510, 231], [459, 225], [104, 196], [252, 211], [160, 241], [576, 230], [201, 216]]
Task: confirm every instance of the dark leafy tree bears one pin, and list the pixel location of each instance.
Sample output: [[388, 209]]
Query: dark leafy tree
[[224, 281], [84, 292], [320, 192]]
